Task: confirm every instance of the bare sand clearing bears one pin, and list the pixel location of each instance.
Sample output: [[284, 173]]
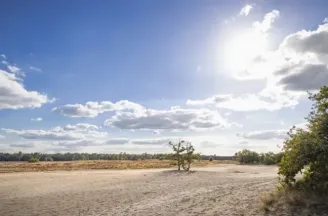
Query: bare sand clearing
[[218, 190]]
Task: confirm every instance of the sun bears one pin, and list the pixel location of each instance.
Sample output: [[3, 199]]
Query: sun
[[243, 48]]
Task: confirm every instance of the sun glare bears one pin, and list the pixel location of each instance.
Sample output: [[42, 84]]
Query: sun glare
[[242, 48]]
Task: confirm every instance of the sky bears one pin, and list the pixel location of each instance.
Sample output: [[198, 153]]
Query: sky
[[130, 76]]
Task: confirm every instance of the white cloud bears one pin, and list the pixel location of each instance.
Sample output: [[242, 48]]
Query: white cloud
[[13, 95], [79, 143], [15, 70], [23, 145], [129, 115], [2, 137], [246, 10], [3, 56], [36, 69], [36, 119], [92, 109], [247, 102], [269, 134], [117, 141], [68, 132], [158, 141], [246, 46], [305, 77], [80, 127], [264, 135], [298, 65], [156, 132], [266, 24], [209, 144], [175, 118], [304, 42], [44, 134]]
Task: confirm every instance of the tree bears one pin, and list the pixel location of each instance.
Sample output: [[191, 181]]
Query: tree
[[178, 149], [183, 154], [247, 157], [308, 149], [188, 156]]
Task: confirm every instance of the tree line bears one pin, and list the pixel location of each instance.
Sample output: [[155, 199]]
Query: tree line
[[251, 157], [20, 156]]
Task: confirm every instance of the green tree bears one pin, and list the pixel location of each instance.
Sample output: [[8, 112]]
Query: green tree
[[308, 149], [247, 157], [188, 156], [178, 148]]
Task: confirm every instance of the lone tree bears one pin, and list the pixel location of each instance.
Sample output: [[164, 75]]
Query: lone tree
[[308, 149], [183, 154]]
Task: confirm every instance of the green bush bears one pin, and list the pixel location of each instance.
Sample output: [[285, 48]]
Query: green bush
[[268, 160], [247, 157], [250, 157], [308, 149], [33, 160]]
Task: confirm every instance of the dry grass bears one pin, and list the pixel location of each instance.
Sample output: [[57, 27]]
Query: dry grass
[[6, 167], [294, 202]]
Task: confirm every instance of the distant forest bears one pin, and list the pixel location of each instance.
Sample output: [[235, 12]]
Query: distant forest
[[20, 156]]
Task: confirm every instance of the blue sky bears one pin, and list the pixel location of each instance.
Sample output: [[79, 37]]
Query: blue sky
[[129, 76]]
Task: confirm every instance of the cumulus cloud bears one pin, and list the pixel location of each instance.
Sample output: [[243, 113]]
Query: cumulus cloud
[[130, 115], [36, 119], [298, 65], [246, 10], [3, 56], [92, 109], [305, 77], [13, 95], [175, 118], [304, 41], [264, 135], [2, 137], [266, 24]]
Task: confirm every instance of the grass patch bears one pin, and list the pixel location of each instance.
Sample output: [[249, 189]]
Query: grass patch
[[294, 202], [7, 167]]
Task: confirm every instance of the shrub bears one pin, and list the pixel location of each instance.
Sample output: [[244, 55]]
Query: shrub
[[268, 160], [210, 159], [308, 149], [33, 160]]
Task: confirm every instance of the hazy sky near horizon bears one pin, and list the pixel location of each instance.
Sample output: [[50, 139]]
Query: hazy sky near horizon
[[128, 76]]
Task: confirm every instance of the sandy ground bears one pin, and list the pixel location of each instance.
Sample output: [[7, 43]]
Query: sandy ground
[[218, 190]]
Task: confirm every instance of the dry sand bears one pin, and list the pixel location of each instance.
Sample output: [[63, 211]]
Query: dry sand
[[218, 190]]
